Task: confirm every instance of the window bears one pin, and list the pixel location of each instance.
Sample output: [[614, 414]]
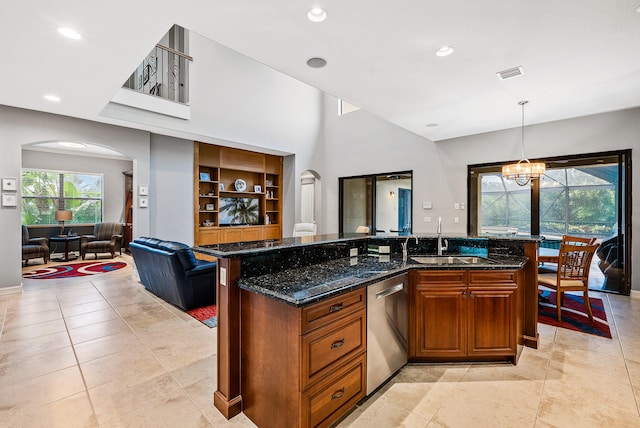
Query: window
[[45, 192], [580, 195], [381, 201], [345, 107]]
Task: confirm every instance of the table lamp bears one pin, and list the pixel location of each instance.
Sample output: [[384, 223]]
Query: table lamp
[[61, 216]]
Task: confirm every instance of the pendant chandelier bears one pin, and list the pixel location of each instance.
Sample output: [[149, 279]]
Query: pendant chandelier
[[523, 171]]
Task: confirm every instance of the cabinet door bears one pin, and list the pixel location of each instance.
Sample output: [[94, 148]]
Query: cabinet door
[[492, 321], [440, 322]]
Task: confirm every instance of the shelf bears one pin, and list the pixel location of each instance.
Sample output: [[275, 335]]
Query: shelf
[[235, 192], [221, 167]]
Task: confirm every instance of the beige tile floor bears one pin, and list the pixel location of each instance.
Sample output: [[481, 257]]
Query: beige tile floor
[[100, 351]]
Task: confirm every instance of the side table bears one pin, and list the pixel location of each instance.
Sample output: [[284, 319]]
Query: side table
[[66, 239]]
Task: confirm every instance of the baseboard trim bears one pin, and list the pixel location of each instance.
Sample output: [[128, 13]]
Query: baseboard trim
[[635, 294], [16, 289]]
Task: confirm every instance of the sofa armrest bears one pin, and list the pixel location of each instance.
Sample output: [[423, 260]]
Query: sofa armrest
[[202, 268], [84, 239], [39, 241], [116, 238]]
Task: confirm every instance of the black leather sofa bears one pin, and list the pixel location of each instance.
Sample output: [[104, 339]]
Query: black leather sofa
[[611, 254], [170, 270]]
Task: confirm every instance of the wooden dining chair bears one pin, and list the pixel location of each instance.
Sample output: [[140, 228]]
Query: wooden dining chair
[[567, 239], [574, 262]]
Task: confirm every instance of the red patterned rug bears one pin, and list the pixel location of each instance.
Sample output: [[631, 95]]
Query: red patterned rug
[[573, 314], [206, 315], [73, 270]]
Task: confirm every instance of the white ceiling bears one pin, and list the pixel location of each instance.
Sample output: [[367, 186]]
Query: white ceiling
[[580, 57]]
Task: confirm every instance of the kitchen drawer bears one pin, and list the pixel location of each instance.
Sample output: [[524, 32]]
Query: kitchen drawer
[[325, 348], [326, 401], [324, 312], [494, 278], [439, 278]]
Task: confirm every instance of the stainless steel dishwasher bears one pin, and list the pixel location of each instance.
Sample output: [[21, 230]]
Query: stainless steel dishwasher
[[387, 329]]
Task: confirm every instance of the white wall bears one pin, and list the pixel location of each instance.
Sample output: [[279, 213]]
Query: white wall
[[359, 143], [238, 102], [113, 179], [19, 127], [171, 192]]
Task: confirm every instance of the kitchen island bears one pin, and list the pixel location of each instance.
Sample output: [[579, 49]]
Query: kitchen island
[[280, 303]]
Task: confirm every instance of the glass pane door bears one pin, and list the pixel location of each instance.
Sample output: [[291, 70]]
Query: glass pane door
[[505, 206]]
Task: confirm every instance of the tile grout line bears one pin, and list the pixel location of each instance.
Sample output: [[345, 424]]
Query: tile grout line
[[546, 374], [624, 357], [75, 355], [184, 392]]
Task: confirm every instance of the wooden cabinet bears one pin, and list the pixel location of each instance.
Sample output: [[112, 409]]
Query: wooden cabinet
[[302, 367], [459, 315], [236, 192]]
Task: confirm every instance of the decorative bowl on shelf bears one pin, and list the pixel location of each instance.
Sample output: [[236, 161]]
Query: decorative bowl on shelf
[[240, 185]]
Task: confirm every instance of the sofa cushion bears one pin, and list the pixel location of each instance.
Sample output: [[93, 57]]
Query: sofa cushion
[[150, 242], [183, 251]]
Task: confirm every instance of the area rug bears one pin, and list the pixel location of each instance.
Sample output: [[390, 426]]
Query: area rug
[[206, 315], [573, 314], [73, 270]]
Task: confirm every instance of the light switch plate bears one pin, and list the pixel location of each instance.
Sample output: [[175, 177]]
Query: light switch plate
[[223, 276], [353, 252], [427, 205]]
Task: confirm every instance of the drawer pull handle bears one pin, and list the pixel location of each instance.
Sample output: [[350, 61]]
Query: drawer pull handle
[[337, 344], [336, 308], [338, 394]]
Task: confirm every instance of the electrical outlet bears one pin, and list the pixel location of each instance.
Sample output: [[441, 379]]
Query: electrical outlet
[[427, 219], [456, 220], [353, 252]]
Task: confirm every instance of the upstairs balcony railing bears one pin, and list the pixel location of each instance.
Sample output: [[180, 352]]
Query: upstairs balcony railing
[[164, 73]]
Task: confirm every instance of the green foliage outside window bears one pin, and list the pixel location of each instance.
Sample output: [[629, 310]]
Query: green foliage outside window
[[45, 192], [571, 202]]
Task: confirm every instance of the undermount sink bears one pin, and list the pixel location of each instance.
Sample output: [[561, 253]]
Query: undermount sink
[[451, 260]]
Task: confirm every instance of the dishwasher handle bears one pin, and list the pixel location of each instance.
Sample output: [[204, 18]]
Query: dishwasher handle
[[389, 291]]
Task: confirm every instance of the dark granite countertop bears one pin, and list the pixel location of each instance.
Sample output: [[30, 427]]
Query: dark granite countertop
[[258, 247], [305, 285], [235, 249]]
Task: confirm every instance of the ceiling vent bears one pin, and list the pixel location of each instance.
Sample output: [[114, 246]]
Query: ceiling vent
[[512, 72]]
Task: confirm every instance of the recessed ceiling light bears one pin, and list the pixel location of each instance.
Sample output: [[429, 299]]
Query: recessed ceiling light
[[316, 62], [431, 125], [51, 97], [70, 33], [72, 145], [316, 14], [444, 51]]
